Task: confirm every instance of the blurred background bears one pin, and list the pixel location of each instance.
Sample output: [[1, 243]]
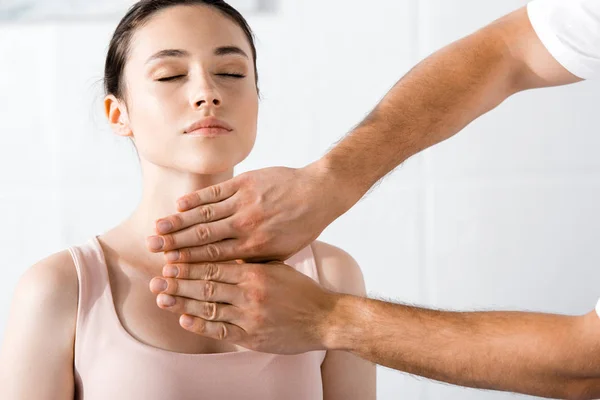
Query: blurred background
[[502, 216]]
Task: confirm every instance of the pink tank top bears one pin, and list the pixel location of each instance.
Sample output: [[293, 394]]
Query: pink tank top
[[112, 364]]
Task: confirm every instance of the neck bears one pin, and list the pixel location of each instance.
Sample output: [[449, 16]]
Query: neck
[[161, 189]]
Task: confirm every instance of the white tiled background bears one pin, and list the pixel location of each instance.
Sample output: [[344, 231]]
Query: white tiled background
[[502, 216]]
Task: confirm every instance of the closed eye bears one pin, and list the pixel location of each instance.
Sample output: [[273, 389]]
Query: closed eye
[[170, 78], [232, 75]]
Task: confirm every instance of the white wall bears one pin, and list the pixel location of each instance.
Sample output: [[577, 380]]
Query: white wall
[[503, 216]]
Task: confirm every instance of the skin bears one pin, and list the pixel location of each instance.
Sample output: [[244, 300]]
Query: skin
[[39, 339], [278, 210]]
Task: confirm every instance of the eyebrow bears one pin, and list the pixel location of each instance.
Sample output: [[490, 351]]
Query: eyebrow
[[226, 50], [178, 53]]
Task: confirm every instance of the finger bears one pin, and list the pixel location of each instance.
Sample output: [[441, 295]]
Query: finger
[[211, 194], [229, 249], [201, 309], [226, 273], [196, 235], [196, 215], [214, 330], [199, 290]]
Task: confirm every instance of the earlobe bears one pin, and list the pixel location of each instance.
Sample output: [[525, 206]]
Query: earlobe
[[117, 116]]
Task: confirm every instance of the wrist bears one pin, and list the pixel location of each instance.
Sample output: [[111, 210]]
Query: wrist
[[344, 326], [338, 188]]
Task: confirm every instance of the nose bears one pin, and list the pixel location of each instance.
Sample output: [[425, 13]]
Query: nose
[[210, 98], [207, 95]]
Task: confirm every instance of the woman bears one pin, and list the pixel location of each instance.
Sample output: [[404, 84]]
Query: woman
[[181, 82]]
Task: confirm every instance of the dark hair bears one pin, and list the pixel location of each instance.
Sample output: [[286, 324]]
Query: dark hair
[[136, 17]]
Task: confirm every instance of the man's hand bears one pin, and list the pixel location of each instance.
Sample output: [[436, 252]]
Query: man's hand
[[269, 214], [263, 307], [273, 308]]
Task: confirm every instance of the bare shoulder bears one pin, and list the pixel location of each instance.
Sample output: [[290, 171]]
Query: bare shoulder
[[47, 294], [52, 280], [338, 270], [39, 336]]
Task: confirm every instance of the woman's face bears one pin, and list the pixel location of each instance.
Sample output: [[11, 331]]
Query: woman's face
[[189, 65]]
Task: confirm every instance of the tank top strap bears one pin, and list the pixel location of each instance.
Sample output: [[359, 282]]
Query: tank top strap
[[91, 273], [95, 299]]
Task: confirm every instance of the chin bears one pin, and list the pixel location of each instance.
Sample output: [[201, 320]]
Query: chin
[[213, 161], [207, 168], [207, 165], [205, 161]]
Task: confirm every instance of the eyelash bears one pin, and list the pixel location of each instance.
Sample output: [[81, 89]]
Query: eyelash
[[232, 75], [172, 78]]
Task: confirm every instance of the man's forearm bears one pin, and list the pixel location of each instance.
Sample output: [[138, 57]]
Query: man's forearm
[[432, 102], [539, 354]]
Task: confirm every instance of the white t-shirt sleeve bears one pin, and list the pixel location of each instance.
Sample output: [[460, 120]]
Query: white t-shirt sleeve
[[570, 30]]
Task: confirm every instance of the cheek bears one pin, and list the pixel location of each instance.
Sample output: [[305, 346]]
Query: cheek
[[154, 112], [154, 125], [250, 117], [241, 105], [247, 105]]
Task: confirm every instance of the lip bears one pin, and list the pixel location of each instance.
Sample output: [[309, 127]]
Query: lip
[[209, 126]]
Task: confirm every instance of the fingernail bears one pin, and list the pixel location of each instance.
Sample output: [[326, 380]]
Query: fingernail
[[156, 242], [186, 321], [170, 271], [172, 255], [164, 226], [182, 204], [166, 300], [158, 285]]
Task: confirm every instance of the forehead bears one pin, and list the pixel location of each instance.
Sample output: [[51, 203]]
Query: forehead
[[196, 28]]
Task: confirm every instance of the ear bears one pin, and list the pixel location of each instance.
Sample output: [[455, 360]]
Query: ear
[[116, 112]]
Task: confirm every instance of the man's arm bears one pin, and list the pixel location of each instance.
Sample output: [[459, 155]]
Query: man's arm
[[274, 308], [539, 354], [273, 213], [36, 358], [443, 94]]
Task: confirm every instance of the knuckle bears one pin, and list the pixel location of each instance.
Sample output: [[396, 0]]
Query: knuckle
[[256, 275], [250, 275], [184, 255], [206, 213], [196, 197], [260, 297], [247, 295], [212, 252], [216, 191], [245, 223], [211, 271], [256, 295], [177, 221], [202, 233], [223, 332], [210, 311], [209, 290]]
